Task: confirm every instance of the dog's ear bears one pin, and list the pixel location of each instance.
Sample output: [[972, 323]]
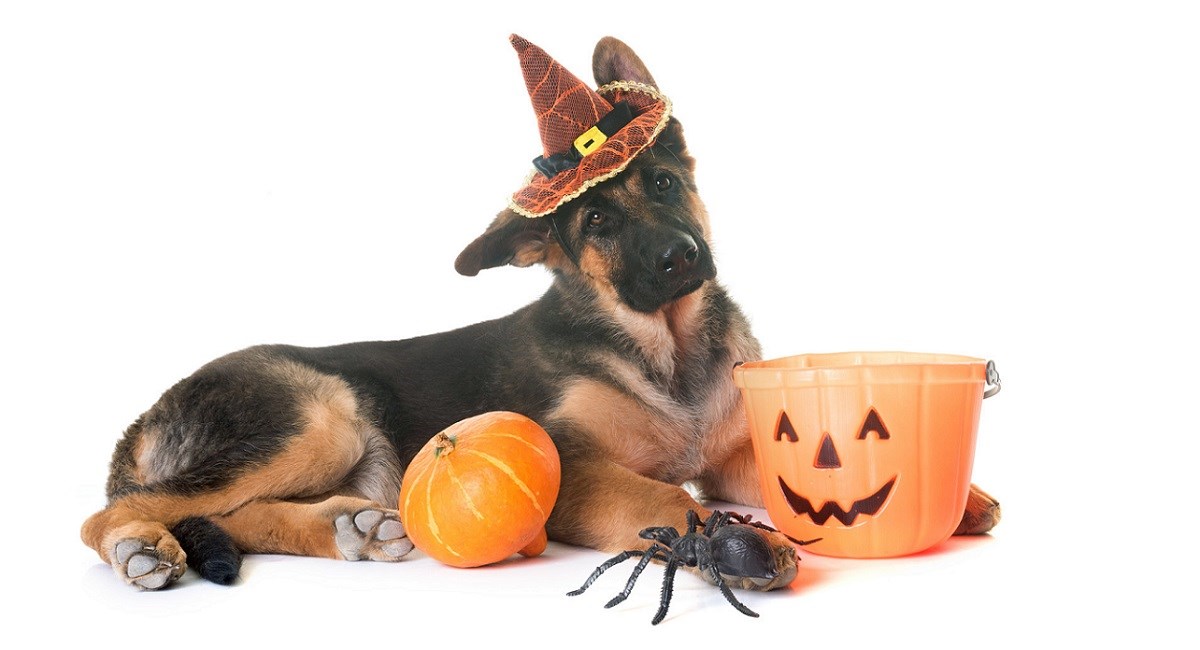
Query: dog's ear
[[615, 61], [672, 139], [511, 239]]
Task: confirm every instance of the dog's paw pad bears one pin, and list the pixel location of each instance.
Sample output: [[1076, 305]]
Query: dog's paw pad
[[367, 519], [391, 529], [146, 566], [139, 565], [156, 580], [398, 549], [371, 535], [349, 539], [126, 548]]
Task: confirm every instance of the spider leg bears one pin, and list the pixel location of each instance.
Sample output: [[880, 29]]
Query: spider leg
[[749, 521], [648, 555], [711, 570], [694, 521], [716, 520], [668, 587], [612, 562]]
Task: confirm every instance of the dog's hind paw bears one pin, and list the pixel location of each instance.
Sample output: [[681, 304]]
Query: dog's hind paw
[[148, 565], [981, 515], [372, 534]]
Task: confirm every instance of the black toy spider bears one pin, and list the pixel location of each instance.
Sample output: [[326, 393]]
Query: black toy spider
[[718, 548]]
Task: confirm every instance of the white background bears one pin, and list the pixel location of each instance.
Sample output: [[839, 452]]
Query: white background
[[1016, 181]]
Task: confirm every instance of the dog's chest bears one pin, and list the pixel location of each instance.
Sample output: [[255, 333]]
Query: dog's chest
[[646, 429], [686, 428], [667, 427]]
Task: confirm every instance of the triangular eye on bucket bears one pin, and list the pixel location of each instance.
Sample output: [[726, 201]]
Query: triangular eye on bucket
[[785, 428], [873, 423]]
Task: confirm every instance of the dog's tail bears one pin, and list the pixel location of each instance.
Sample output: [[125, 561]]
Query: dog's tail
[[210, 550]]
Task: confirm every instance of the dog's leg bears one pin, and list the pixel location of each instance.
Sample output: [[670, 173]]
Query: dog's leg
[[981, 515], [144, 554], [604, 506], [735, 479], [340, 527], [328, 447], [142, 519]]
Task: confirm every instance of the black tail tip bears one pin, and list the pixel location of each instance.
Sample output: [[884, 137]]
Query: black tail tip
[[220, 571], [210, 550]]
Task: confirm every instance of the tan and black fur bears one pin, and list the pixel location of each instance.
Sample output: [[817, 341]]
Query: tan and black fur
[[626, 361]]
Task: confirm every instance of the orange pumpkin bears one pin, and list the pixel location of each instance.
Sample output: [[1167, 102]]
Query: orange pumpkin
[[481, 490]]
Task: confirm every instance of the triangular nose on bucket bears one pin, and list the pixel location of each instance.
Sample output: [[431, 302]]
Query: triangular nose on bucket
[[827, 456]]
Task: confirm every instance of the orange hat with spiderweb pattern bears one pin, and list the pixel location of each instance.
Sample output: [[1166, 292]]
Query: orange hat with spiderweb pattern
[[588, 136]]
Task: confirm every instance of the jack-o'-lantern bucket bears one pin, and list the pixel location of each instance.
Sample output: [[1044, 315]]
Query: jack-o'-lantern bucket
[[870, 452]]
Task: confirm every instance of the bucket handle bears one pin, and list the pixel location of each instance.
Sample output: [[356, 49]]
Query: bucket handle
[[993, 380]]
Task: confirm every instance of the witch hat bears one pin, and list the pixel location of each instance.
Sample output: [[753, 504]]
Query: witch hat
[[588, 135]]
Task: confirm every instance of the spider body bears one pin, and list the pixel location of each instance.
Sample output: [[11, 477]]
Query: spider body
[[714, 547]]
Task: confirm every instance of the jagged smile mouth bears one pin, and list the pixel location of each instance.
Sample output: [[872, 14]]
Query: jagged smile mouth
[[868, 506]]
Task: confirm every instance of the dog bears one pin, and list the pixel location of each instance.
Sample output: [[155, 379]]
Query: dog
[[626, 361]]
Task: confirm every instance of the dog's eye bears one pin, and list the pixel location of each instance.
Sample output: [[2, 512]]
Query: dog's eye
[[663, 182], [594, 218]]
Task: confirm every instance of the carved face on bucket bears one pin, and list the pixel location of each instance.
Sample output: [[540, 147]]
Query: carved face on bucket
[[869, 452], [832, 457]]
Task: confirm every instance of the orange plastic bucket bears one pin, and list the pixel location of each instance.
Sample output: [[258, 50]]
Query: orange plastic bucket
[[869, 451]]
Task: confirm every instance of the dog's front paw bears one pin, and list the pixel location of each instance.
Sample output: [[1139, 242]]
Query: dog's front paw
[[148, 564], [372, 534], [765, 560]]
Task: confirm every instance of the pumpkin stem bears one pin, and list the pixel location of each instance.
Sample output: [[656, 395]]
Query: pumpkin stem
[[443, 444]]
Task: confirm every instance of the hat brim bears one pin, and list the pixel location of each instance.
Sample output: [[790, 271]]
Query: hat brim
[[541, 196]]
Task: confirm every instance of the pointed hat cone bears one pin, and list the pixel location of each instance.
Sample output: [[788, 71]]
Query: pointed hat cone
[[564, 105], [566, 109]]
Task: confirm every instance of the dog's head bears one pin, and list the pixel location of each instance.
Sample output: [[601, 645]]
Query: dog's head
[[640, 237]]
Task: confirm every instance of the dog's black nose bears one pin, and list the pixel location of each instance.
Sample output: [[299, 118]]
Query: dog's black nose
[[680, 256]]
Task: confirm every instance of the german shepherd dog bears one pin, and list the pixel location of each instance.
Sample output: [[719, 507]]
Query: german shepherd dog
[[626, 361]]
